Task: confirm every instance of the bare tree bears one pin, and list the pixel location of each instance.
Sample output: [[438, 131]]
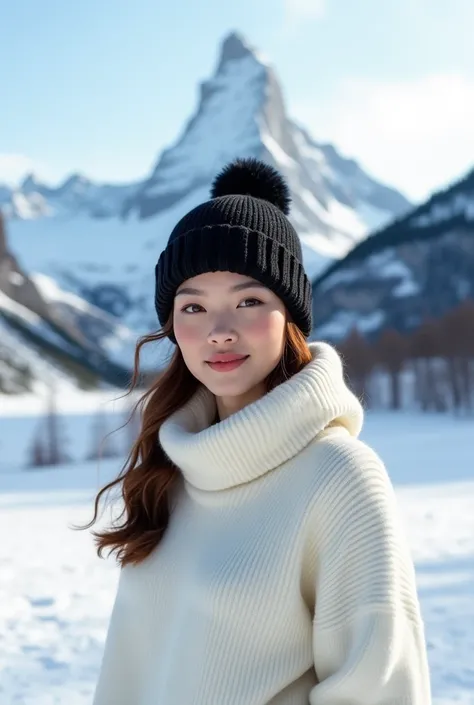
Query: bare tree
[[392, 350], [49, 444], [425, 350], [457, 347], [38, 455], [358, 357], [102, 444]]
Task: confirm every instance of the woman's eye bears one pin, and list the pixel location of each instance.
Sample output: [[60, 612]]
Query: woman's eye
[[191, 306], [246, 303], [251, 302]]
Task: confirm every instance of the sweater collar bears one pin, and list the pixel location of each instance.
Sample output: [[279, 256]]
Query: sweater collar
[[264, 434]]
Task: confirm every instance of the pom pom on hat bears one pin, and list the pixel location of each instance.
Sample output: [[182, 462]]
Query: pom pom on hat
[[252, 177]]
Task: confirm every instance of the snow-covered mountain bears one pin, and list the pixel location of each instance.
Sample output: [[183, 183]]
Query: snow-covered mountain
[[99, 242], [241, 112], [418, 268], [76, 195], [51, 338]]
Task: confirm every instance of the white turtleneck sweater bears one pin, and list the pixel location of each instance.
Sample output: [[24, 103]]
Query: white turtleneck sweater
[[284, 577]]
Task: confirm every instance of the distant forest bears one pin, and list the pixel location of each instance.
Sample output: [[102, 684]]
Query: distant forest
[[431, 368]]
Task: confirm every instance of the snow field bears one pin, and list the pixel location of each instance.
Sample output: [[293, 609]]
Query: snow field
[[56, 595]]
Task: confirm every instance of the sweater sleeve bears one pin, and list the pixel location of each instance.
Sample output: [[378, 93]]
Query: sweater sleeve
[[368, 636]]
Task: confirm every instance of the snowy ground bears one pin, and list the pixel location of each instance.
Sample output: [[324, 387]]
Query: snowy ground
[[56, 596]]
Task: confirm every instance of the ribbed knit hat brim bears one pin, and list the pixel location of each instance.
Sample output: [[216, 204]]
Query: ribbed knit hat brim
[[237, 249]]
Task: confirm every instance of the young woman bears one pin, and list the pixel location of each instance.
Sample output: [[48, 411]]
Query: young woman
[[262, 561]]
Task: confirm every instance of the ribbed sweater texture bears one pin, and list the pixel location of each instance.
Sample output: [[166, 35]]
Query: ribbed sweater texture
[[284, 576]]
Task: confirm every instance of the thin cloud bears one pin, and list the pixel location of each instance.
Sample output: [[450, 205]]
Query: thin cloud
[[416, 135], [297, 11], [13, 167]]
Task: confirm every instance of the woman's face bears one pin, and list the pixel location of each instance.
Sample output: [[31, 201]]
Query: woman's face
[[231, 332]]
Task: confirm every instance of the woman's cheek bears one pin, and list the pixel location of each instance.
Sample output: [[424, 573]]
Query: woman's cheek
[[265, 325], [187, 331]]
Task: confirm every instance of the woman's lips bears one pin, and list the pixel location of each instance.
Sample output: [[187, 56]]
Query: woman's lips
[[226, 363]]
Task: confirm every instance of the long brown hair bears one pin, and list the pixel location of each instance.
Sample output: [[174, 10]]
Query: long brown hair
[[148, 478]]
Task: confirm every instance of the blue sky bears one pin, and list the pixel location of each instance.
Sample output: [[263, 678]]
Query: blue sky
[[101, 86]]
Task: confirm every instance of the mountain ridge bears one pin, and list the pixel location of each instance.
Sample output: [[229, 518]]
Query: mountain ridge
[[416, 269]]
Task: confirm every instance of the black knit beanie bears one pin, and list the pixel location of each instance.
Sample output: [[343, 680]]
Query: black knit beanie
[[243, 229]]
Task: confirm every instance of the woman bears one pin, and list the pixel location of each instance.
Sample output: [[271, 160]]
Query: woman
[[261, 556]]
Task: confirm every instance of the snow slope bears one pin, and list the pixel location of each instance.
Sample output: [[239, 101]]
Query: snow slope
[[101, 242], [56, 596], [420, 266], [44, 327], [89, 348]]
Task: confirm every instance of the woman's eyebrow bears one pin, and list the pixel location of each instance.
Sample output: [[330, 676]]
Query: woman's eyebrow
[[237, 287]]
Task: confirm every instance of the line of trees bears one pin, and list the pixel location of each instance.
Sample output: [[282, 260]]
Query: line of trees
[[50, 444], [431, 368]]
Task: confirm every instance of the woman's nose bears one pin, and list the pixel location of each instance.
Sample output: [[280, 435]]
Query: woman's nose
[[222, 334]]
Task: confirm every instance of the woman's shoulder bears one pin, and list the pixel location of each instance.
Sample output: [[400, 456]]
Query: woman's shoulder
[[350, 496], [345, 466], [351, 505]]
